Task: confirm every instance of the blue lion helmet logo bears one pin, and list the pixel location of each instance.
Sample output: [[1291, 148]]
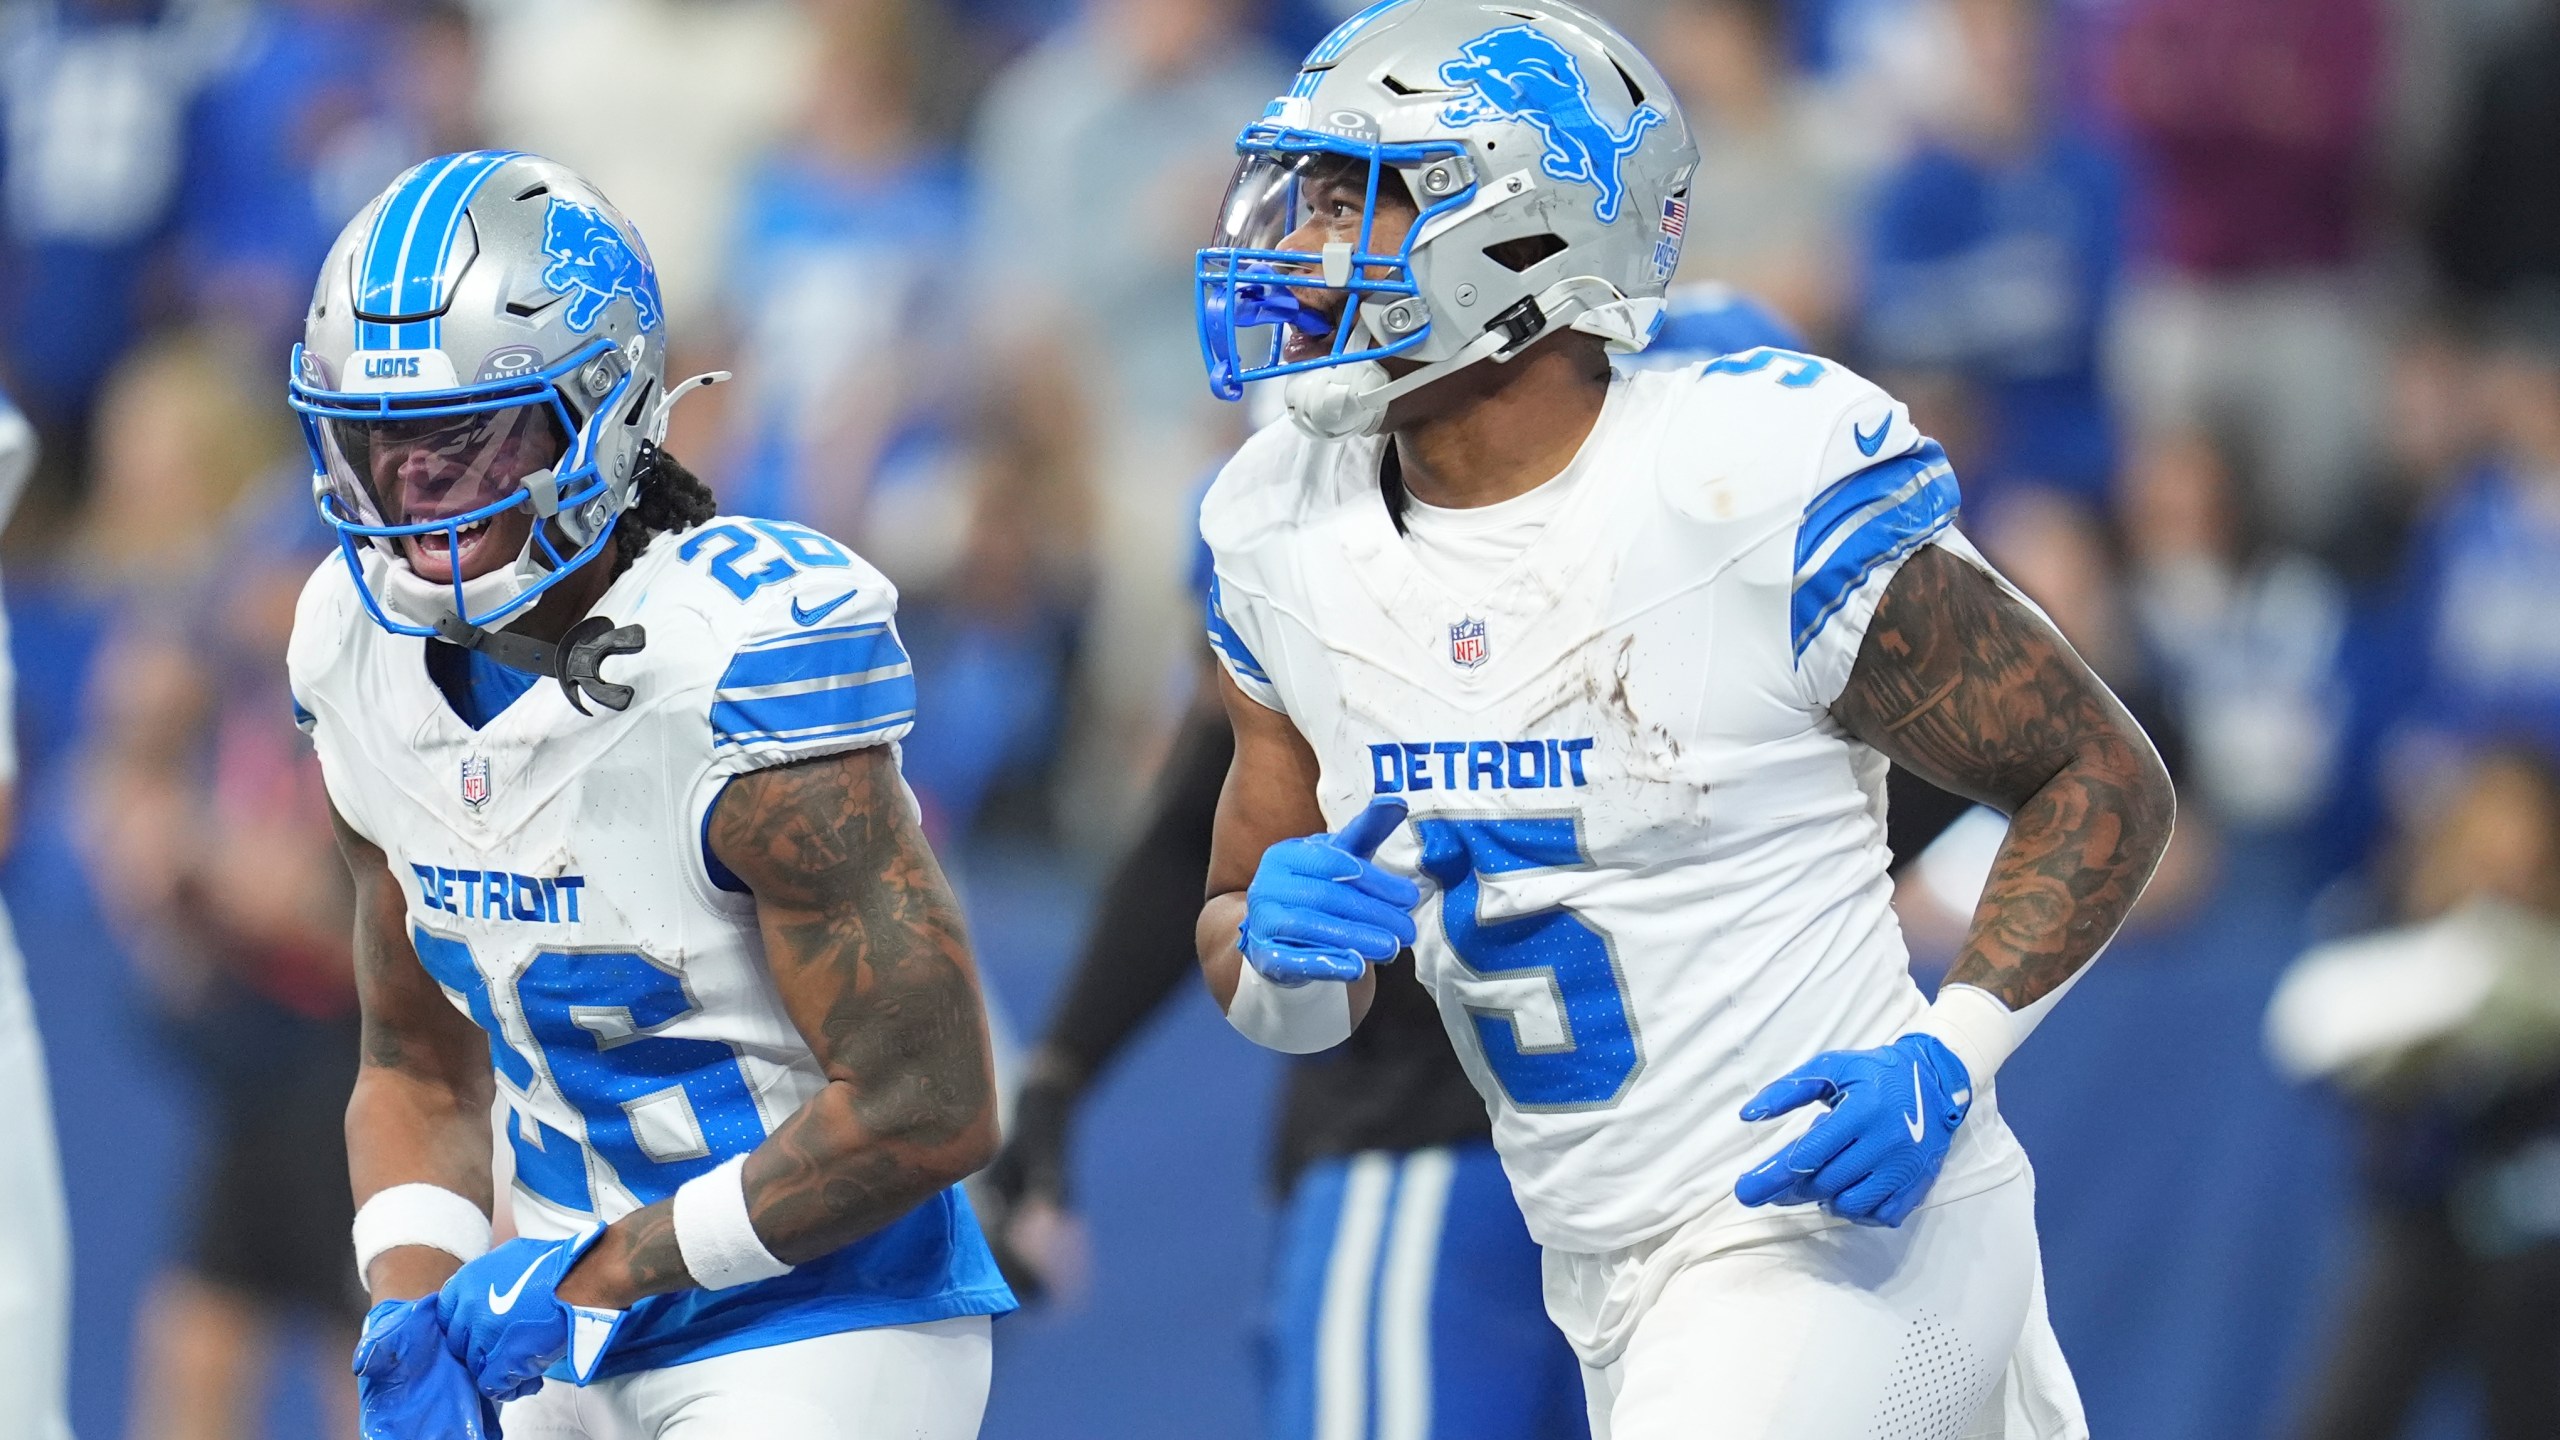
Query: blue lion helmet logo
[[1520, 73], [591, 263]]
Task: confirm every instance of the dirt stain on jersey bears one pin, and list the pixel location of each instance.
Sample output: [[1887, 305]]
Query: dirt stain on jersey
[[1653, 752]]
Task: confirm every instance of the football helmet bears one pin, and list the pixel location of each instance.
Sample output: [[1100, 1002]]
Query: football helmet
[[1549, 169], [486, 336]]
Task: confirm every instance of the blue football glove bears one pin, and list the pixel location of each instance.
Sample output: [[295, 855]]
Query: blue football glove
[[1894, 1112], [1320, 909], [409, 1386], [503, 1321]]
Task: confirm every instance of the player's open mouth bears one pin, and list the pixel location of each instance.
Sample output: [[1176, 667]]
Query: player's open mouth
[[1297, 345], [435, 555]]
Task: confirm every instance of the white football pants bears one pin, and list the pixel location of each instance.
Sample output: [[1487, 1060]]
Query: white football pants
[[35, 1246], [899, 1382], [1934, 1331]]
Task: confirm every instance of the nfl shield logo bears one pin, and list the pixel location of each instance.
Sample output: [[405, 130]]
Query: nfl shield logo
[[1466, 643], [475, 781]]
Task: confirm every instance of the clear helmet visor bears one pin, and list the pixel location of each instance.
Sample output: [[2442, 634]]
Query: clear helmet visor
[[1283, 213], [1304, 201], [1262, 205], [438, 469], [1312, 242]]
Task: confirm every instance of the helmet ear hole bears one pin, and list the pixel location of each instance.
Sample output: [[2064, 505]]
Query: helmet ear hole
[[640, 402], [1635, 92], [1521, 252]]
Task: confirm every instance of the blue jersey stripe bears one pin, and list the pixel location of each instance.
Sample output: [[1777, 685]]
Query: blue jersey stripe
[[930, 1264], [1900, 513], [721, 876], [1230, 644], [816, 657], [1843, 500], [849, 731], [816, 714]]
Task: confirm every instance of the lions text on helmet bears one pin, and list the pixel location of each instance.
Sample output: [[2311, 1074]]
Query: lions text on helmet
[[1444, 184]]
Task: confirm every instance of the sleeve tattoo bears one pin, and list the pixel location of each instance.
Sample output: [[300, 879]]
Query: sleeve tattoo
[[865, 944], [1960, 683]]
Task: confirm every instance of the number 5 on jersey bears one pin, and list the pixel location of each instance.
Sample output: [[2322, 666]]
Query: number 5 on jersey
[[1587, 1056]]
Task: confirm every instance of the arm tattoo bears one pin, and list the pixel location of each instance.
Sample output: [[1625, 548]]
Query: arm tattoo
[[419, 1108], [1960, 683], [865, 943], [407, 1024]]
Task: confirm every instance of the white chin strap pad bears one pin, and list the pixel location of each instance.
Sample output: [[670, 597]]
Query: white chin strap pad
[[1338, 401], [425, 602], [1627, 325], [1341, 401]]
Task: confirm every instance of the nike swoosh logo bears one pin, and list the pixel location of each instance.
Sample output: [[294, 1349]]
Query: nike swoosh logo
[[1868, 444], [1911, 1122], [812, 617], [500, 1302]]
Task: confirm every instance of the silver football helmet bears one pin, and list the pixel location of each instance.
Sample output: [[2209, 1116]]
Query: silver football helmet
[[486, 336], [1549, 167]]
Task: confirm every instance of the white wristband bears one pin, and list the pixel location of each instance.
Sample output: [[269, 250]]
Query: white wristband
[[418, 1214], [1974, 1024], [1982, 1031], [1292, 1019], [716, 1236]]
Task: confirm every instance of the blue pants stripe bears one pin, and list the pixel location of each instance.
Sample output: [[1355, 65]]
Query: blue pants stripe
[[1405, 1305]]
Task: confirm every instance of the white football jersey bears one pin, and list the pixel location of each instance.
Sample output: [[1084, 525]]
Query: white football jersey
[[561, 891], [1653, 867]]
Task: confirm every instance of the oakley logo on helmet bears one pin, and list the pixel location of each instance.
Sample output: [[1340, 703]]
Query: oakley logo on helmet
[[510, 361], [1351, 124], [591, 263], [1519, 73]]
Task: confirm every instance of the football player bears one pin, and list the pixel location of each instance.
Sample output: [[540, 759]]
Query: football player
[[674, 907], [1634, 654], [1404, 1301], [35, 1258]]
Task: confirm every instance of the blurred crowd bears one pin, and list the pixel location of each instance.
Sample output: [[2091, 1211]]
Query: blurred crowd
[[2240, 318]]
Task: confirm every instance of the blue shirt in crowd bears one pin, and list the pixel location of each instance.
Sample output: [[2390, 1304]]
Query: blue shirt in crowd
[[288, 143], [834, 270], [2487, 584], [93, 104], [2000, 272]]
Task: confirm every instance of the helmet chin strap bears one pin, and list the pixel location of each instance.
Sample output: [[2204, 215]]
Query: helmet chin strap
[[576, 661], [1339, 402]]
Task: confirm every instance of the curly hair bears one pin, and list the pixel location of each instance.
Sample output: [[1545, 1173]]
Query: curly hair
[[666, 499]]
